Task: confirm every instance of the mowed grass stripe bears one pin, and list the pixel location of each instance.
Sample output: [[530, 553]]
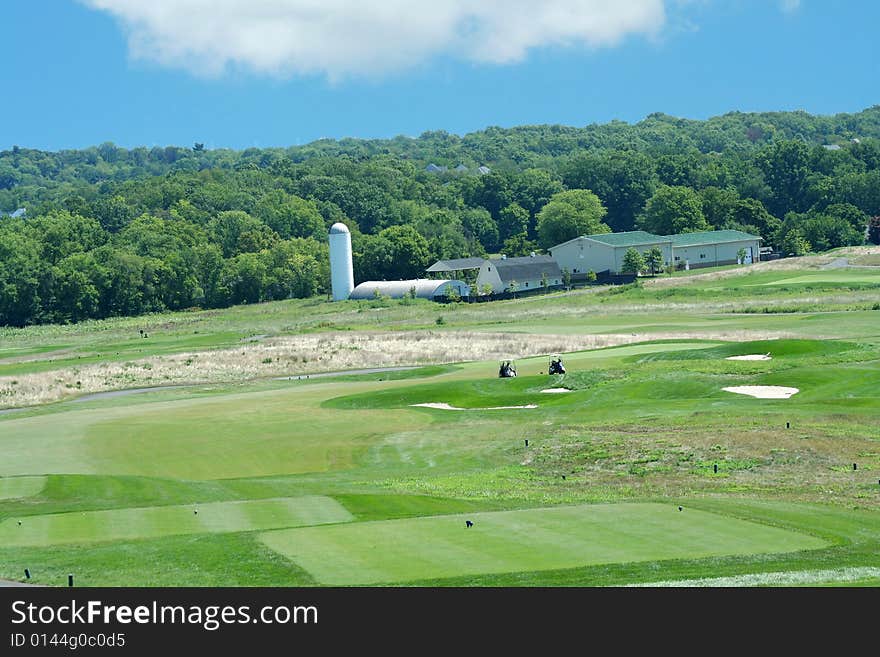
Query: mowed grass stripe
[[257, 434], [151, 522], [527, 540], [17, 487]]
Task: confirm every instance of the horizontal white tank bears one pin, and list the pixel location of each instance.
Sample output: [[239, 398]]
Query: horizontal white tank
[[341, 267], [425, 288]]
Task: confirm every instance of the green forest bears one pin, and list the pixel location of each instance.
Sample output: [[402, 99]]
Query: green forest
[[109, 231]]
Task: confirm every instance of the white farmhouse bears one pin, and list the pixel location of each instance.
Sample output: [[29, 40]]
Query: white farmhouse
[[519, 274]]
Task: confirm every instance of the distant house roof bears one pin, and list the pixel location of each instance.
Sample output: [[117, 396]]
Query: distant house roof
[[831, 147], [711, 237], [526, 268], [425, 288], [627, 238], [15, 213], [461, 167], [457, 264], [484, 169], [433, 168]]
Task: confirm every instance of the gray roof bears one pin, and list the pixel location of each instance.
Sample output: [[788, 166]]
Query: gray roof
[[426, 288], [831, 147], [484, 169], [433, 168], [461, 167], [526, 268], [457, 264], [15, 213]]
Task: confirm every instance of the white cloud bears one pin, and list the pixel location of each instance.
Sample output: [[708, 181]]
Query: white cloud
[[789, 6], [349, 37]]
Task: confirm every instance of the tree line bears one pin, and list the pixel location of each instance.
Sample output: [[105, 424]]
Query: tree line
[[110, 231]]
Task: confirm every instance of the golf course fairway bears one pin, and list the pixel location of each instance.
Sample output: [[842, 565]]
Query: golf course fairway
[[526, 540]]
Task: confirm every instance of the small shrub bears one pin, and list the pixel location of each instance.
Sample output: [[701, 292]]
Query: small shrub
[[440, 321]]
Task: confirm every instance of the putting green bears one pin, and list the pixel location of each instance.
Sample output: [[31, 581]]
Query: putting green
[[527, 540], [151, 522], [16, 487]]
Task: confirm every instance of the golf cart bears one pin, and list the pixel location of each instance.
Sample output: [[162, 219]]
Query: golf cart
[[556, 366], [507, 369]]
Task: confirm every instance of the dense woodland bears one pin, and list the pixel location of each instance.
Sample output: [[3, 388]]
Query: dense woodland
[[111, 231]]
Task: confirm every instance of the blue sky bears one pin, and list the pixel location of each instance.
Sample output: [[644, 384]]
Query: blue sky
[[244, 73]]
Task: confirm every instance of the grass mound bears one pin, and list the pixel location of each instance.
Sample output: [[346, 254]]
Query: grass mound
[[474, 394], [776, 349]]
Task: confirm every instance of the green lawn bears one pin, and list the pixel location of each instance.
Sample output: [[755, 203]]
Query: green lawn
[[528, 540], [151, 522], [232, 435], [16, 487]]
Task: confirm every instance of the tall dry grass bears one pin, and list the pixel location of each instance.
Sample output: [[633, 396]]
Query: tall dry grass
[[292, 355]]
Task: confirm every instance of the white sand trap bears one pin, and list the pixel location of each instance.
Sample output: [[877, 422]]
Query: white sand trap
[[750, 357], [556, 390], [446, 407], [764, 392]]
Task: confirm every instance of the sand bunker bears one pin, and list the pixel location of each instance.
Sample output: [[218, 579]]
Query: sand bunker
[[556, 390], [750, 357], [446, 407], [764, 392]]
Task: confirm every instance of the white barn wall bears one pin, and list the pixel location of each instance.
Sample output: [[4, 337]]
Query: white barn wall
[[488, 274], [620, 254], [582, 255], [715, 254], [535, 284]]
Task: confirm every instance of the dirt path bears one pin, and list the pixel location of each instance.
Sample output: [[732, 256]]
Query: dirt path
[[837, 263], [123, 393], [46, 355]]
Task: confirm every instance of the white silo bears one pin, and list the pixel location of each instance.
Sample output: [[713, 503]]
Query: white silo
[[341, 268]]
